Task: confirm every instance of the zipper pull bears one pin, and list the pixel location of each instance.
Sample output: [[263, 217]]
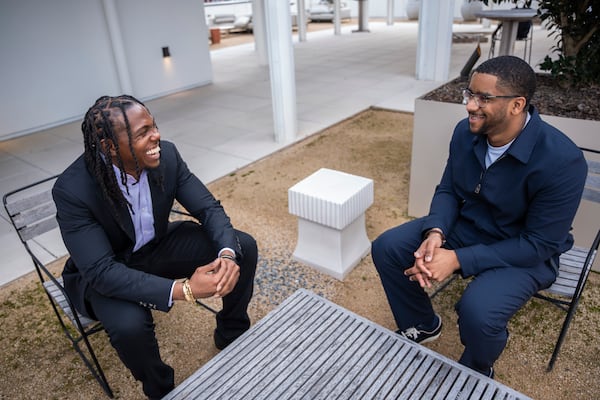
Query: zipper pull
[[478, 187]]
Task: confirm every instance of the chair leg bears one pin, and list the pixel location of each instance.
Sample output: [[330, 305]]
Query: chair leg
[[530, 45], [563, 334], [95, 369], [97, 372], [207, 307], [443, 286]]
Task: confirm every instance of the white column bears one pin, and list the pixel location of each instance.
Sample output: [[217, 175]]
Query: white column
[[301, 21], [390, 12], [114, 31], [281, 69], [258, 30], [435, 39], [337, 18]]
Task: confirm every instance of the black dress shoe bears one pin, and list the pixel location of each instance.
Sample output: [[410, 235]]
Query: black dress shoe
[[220, 341]]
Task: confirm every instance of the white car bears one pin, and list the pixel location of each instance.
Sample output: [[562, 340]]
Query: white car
[[323, 11]]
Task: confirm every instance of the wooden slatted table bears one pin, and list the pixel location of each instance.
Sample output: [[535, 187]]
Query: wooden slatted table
[[310, 348]]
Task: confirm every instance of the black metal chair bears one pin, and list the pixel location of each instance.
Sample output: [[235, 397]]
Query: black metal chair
[[33, 215], [575, 266]]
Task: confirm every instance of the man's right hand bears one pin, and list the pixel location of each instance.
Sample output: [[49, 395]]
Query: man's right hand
[[215, 279]]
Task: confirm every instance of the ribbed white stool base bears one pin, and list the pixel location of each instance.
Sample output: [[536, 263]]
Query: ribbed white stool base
[[331, 206]]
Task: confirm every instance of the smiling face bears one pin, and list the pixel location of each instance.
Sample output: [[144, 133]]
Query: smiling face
[[501, 119], [491, 117], [144, 152]]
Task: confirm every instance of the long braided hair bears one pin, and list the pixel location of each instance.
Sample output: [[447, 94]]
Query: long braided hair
[[101, 123]]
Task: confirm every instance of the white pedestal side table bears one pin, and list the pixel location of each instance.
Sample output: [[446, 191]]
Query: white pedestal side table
[[331, 206]]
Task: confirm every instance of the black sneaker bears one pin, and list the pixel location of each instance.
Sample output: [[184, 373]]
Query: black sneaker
[[419, 335]]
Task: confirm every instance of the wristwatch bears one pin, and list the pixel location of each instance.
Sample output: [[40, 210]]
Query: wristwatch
[[438, 231]]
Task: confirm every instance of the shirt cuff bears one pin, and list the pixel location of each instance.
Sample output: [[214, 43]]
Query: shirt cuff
[[226, 248], [170, 304]]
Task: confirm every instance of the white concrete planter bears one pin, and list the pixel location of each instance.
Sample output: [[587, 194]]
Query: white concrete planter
[[434, 122]]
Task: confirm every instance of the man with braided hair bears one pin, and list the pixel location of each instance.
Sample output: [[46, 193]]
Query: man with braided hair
[[126, 258]]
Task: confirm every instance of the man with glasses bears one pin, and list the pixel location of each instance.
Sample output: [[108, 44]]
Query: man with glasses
[[501, 215]]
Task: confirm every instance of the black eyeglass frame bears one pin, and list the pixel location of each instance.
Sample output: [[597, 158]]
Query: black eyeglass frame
[[483, 99]]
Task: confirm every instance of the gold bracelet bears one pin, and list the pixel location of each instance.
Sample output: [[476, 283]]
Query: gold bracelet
[[187, 291]]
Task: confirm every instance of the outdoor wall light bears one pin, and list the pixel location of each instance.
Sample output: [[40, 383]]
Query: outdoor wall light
[[166, 52]]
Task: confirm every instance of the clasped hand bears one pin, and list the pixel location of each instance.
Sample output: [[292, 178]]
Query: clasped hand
[[215, 279], [432, 262]]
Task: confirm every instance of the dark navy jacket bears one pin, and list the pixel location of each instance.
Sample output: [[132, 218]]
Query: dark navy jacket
[[100, 240], [519, 211]]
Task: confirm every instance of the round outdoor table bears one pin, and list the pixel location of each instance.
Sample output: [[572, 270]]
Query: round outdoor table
[[510, 22]]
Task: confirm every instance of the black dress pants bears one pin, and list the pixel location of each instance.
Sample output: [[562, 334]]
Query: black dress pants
[[130, 326]]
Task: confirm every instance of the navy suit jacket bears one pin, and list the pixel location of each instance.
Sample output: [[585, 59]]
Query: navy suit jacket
[[519, 210], [100, 239]]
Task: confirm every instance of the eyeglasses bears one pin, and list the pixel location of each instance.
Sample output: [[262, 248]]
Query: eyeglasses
[[481, 100]]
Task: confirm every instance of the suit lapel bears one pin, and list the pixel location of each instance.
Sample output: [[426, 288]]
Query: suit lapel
[[120, 214], [160, 207], [124, 218]]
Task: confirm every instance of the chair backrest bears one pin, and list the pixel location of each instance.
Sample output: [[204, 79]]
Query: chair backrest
[[591, 192], [523, 30], [576, 264], [32, 213]]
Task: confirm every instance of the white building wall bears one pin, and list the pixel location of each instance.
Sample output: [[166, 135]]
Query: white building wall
[[57, 56], [149, 25]]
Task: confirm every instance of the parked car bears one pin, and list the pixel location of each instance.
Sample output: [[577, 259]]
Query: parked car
[[230, 22], [323, 11]]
